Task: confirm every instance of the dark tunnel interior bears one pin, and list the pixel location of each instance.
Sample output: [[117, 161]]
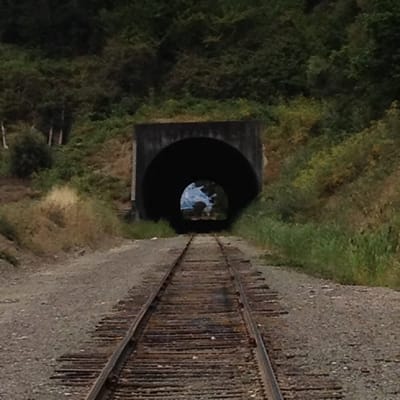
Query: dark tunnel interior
[[189, 160]]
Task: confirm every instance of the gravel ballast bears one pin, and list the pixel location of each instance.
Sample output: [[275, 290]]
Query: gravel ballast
[[352, 333], [48, 312]]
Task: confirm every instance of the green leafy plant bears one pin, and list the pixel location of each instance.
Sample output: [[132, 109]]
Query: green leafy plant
[[29, 154]]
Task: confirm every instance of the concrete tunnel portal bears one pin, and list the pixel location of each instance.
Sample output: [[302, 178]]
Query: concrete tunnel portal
[[169, 157]]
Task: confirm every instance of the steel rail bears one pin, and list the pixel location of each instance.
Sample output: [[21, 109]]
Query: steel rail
[[267, 372], [107, 374]]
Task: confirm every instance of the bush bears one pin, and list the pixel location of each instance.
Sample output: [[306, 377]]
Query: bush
[[61, 221], [29, 154], [4, 163], [7, 229]]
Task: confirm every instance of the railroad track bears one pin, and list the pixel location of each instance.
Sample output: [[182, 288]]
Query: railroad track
[[194, 338]]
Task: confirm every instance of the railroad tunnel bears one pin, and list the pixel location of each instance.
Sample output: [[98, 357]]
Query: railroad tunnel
[[181, 154]]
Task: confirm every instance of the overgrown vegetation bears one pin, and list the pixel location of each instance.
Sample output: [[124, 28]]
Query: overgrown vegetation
[[61, 221], [333, 207], [322, 74], [29, 154], [148, 230], [108, 58], [330, 251], [64, 220]]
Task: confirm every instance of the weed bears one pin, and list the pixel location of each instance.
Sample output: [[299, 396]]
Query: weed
[[148, 229], [62, 220], [7, 229], [330, 251], [195, 109]]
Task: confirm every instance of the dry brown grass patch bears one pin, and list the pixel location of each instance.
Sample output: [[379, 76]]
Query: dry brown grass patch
[[61, 221]]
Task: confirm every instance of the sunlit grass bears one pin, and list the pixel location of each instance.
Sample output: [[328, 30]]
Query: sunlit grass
[[365, 258], [60, 221]]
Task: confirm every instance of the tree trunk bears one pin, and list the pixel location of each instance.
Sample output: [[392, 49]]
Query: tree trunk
[[50, 142], [61, 135], [3, 135]]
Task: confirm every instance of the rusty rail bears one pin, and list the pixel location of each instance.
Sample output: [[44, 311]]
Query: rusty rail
[[194, 337], [107, 374], [264, 362]]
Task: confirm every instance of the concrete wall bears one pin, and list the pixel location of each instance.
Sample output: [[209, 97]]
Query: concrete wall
[[151, 139]]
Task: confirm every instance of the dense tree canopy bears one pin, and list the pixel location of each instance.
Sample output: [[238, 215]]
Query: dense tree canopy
[[94, 57]]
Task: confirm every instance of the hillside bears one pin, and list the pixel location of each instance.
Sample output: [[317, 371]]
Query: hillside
[[322, 74]]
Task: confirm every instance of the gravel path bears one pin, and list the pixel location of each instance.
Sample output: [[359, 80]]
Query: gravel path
[[350, 332], [46, 313]]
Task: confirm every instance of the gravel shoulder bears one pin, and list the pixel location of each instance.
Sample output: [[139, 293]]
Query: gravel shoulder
[[51, 310], [350, 332]]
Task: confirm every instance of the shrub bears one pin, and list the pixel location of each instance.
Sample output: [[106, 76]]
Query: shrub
[[7, 229], [296, 120], [29, 154], [4, 162], [61, 221]]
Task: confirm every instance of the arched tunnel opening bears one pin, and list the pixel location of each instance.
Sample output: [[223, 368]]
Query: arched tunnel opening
[[191, 160]]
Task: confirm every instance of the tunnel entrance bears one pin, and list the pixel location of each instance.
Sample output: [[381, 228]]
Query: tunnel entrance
[[195, 160]]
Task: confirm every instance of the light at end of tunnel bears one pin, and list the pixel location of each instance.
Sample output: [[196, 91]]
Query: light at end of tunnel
[[204, 200]]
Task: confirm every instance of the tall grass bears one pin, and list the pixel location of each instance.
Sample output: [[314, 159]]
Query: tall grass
[[60, 221], [148, 229], [366, 258], [7, 229]]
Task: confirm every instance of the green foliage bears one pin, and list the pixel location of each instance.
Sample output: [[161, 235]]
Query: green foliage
[[318, 72], [318, 166], [4, 162], [29, 154], [297, 120], [334, 209], [328, 250], [73, 26], [124, 54], [190, 109], [148, 229], [331, 167]]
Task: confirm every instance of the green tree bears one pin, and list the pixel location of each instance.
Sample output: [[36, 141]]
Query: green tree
[[29, 154]]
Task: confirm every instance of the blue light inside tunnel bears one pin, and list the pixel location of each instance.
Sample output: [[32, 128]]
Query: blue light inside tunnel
[[204, 200], [193, 194]]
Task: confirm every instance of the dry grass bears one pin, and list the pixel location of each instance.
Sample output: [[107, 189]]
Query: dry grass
[[61, 221], [115, 158]]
